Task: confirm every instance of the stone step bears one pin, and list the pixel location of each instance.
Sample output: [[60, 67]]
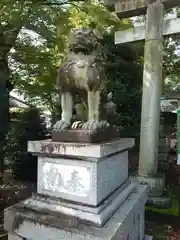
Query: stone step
[[96, 215], [126, 222], [147, 237], [162, 166], [159, 202], [163, 157]]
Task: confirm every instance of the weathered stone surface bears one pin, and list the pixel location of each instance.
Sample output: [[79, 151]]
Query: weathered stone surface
[[147, 237], [163, 165], [14, 237], [159, 202], [110, 2], [83, 69], [170, 27], [128, 221], [130, 8], [155, 184], [163, 148], [98, 219], [152, 88], [162, 157], [52, 201], [85, 181], [164, 151], [85, 136], [162, 144], [93, 151]]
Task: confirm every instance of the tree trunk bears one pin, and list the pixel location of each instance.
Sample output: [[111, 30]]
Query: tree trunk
[[4, 109]]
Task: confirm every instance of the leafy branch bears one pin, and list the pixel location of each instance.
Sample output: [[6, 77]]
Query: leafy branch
[[57, 3]]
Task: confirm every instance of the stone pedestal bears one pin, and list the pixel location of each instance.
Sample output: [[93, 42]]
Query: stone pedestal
[[156, 196], [155, 184], [83, 193]]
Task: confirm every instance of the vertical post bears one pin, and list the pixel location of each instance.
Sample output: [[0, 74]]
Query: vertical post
[[152, 87], [178, 133]]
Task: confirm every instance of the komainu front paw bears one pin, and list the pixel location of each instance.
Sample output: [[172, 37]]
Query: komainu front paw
[[60, 126], [95, 125]]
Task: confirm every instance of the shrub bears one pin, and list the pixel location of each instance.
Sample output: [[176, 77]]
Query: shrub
[[27, 127]]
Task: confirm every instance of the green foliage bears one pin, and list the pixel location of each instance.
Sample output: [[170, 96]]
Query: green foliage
[[35, 73], [34, 60], [172, 65], [15, 15], [124, 76], [96, 16], [27, 127]]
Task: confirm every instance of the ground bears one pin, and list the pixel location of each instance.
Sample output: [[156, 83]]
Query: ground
[[160, 226], [12, 191]]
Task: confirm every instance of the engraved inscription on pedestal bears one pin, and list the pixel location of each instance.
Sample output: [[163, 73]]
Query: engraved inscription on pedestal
[[86, 180], [74, 180]]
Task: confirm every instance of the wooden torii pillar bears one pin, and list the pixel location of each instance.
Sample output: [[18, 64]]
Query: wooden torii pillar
[[152, 33]]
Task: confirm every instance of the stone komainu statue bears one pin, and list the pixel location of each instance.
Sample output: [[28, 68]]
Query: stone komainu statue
[[82, 70]]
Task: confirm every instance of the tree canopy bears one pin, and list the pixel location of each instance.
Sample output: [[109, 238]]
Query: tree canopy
[[36, 56]]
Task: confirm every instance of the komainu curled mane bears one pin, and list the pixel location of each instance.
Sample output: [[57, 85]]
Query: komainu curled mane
[[82, 70]]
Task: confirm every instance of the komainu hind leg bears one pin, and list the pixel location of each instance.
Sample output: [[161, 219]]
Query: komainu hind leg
[[93, 122], [66, 116]]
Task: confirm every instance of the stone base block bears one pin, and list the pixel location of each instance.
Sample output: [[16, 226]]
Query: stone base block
[[147, 237], [14, 237], [85, 173], [155, 184], [96, 215], [85, 181], [79, 150], [126, 223], [159, 202], [88, 136]]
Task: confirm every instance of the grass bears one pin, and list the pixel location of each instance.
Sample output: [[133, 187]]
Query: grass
[[4, 236], [174, 210], [163, 224]]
